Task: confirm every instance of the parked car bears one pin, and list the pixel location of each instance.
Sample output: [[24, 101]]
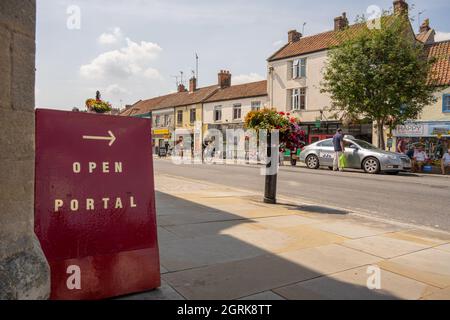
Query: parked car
[[359, 154]]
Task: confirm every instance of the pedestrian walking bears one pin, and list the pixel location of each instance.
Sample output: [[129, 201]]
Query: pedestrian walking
[[339, 148]]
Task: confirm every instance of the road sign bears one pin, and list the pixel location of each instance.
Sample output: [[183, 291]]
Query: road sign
[[95, 204]]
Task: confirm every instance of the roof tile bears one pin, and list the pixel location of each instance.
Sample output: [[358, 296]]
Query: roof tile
[[440, 72], [247, 90]]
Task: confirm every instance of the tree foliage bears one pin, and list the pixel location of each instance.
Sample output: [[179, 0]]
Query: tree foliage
[[379, 74]]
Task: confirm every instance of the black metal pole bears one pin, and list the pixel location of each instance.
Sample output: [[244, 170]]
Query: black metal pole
[[270, 191]]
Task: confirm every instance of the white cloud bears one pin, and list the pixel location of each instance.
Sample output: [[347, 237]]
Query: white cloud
[[116, 90], [245, 78], [442, 36], [152, 73], [111, 38], [133, 60]]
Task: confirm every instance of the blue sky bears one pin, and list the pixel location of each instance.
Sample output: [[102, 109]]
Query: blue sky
[[130, 50]]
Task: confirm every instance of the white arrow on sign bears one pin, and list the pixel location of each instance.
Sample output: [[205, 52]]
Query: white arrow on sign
[[111, 138]]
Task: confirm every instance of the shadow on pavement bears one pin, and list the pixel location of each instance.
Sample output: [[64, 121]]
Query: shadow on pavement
[[316, 209], [209, 253]]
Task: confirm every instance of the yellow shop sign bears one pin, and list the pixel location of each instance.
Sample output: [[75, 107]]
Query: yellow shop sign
[[161, 131]]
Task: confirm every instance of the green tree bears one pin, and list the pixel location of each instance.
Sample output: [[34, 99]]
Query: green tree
[[381, 74]]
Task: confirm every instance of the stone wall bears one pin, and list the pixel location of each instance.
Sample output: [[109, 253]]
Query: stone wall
[[24, 272]]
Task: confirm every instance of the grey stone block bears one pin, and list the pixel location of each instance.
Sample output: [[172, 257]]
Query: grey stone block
[[18, 144], [23, 72], [5, 68], [19, 15], [25, 275]]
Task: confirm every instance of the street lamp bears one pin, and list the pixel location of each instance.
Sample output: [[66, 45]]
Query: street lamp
[[270, 187]]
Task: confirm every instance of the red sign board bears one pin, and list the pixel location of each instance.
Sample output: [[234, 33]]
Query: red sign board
[[95, 204]]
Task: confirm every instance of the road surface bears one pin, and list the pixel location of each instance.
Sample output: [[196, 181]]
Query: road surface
[[416, 199]]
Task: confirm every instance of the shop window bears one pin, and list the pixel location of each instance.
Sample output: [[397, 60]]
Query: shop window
[[446, 103]]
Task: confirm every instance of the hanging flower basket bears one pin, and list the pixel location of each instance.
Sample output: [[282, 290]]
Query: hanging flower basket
[[292, 137], [98, 106]]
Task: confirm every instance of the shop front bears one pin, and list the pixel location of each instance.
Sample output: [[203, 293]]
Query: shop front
[[161, 142], [433, 136], [321, 130]]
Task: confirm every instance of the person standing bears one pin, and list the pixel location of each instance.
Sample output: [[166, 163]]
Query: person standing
[[402, 146], [445, 162], [338, 142], [419, 159]]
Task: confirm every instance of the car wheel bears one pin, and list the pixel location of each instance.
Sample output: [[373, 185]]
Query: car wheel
[[371, 165], [312, 162]]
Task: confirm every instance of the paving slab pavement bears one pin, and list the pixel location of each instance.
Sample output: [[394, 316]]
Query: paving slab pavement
[[352, 285], [223, 243]]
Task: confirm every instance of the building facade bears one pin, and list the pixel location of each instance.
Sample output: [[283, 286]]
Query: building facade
[[229, 106], [432, 128], [163, 125], [295, 73]]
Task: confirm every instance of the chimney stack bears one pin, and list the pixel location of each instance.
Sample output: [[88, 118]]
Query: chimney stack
[[192, 84], [425, 27], [181, 88], [224, 79], [341, 22], [401, 7], [294, 36]]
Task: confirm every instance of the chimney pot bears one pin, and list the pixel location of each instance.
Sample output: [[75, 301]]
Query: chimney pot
[[341, 22], [425, 27], [401, 7], [181, 88], [224, 78], [192, 84], [294, 36]]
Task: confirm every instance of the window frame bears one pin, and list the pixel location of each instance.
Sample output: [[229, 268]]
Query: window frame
[[295, 68], [166, 120], [299, 68], [253, 103], [296, 99], [180, 120], [302, 68], [446, 103], [192, 111], [217, 111], [237, 107]]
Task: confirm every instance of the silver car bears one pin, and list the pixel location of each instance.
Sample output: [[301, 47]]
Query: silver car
[[359, 155]]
